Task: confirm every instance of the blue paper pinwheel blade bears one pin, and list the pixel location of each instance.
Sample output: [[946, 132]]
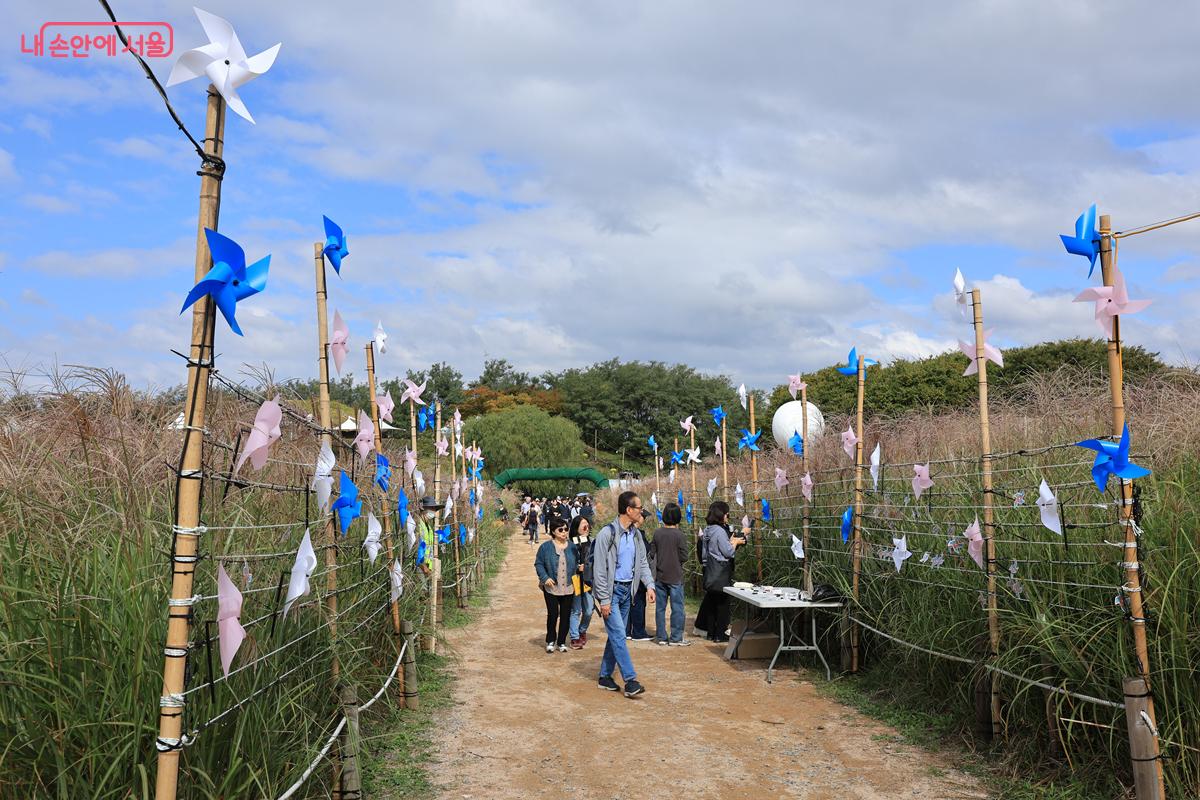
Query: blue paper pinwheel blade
[[796, 443], [680, 498], [1112, 458], [229, 281], [402, 508], [851, 367], [1086, 241], [766, 510], [335, 244], [691, 514], [421, 547], [653, 444], [847, 523]]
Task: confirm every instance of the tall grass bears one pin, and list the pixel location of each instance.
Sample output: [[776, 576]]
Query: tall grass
[[1059, 622], [85, 520]]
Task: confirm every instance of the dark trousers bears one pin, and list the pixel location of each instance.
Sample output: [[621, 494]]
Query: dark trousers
[[636, 626], [558, 616], [704, 617], [719, 613]]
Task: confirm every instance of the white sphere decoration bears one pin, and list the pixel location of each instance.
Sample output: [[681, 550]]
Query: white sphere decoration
[[789, 418]]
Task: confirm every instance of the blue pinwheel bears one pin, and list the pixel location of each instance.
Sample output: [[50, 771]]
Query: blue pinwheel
[[658, 513], [1112, 458], [335, 244], [749, 440], [421, 548], [229, 281], [471, 496], [653, 444], [479, 512], [1086, 241], [718, 415], [383, 471], [347, 506], [691, 516], [426, 417], [677, 457], [851, 367], [462, 533], [477, 470], [847, 523], [402, 508], [766, 510], [796, 442], [679, 499]]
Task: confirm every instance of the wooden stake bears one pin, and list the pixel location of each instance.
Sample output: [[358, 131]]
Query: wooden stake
[[985, 450], [857, 548], [804, 466], [754, 480], [1143, 741], [384, 497], [350, 784], [475, 483], [326, 438], [412, 699], [1133, 582], [657, 486], [724, 460], [186, 537]]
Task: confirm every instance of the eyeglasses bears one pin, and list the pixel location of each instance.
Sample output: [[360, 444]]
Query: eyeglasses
[[559, 530], [634, 508]]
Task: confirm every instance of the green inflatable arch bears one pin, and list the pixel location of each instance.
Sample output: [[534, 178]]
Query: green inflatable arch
[[553, 474]]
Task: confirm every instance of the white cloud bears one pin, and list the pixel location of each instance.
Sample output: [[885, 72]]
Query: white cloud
[[50, 204], [8, 172]]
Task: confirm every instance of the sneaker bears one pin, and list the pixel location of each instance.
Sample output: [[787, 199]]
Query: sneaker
[[576, 644], [642, 638], [699, 634], [681, 643], [550, 647], [562, 648], [583, 637], [628, 637], [608, 683], [660, 641], [633, 688]]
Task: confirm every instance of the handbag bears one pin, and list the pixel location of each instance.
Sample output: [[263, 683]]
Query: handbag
[[717, 575]]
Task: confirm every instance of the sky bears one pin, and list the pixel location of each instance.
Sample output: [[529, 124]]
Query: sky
[[748, 188]]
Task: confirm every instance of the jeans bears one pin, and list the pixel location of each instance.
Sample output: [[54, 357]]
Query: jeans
[[674, 593], [581, 614], [558, 612], [616, 652], [635, 625]]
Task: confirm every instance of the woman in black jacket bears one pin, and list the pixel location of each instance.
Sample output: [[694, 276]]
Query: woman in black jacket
[[719, 548], [581, 608]]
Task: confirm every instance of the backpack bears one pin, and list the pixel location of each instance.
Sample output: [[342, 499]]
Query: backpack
[[589, 564]]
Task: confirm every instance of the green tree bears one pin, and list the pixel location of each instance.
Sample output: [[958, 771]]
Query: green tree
[[526, 436], [501, 376]]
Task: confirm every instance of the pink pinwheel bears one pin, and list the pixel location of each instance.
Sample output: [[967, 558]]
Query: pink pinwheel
[[921, 480], [796, 384], [443, 447], [364, 441], [410, 460], [457, 420], [975, 542], [386, 405], [781, 478], [229, 609], [339, 343], [849, 440], [413, 392], [687, 425], [455, 489], [717, 447], [806, 486], [264, 433], [1111, 301], [990, 352]]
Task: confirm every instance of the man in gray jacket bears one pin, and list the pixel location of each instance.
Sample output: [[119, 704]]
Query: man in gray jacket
[[620, 568]]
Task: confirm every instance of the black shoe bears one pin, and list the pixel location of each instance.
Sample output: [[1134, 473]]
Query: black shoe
[[722, 639], [608, 683], [633, 688]]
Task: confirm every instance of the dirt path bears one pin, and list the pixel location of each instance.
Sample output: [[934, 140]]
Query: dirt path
[[530, 724]]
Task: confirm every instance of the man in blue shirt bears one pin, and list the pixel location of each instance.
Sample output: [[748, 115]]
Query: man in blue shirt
[[621, 566]]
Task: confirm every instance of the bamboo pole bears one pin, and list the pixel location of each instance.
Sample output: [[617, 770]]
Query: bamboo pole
[[691, 463], [804, 466], [385, 497], [754, 480], [724, 460], [1133, 585], [475, 484], [454, 512], [189, 482], [412, 697], [657, 486], [857, 548], [989, 531]]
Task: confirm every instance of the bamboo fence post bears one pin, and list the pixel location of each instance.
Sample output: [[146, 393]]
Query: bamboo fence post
[[454, 510], [754, 480], [349, 785], [804, 500], [1143, 741], [412, 698], [657, 487], [857, 547], [475, 484], [991, 725], [331, 554], [385, 497], [1133, 582], [724, 461], [185, 538]]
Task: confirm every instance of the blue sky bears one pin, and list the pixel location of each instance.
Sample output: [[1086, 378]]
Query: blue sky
[[747, 190]]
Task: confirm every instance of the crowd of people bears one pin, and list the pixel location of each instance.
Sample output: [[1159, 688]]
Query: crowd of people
[[620, 570]]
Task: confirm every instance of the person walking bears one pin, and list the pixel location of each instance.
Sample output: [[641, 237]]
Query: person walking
[[635, 625], [531, 523], [581, 608], [719, 548], [621, 567], [669, 548], [556, 565]]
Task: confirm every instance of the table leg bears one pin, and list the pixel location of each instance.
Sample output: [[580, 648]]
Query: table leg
[[813, 622], [742, 635], [779, 649]]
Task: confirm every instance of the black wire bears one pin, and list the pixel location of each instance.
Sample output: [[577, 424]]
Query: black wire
[[212, 163]]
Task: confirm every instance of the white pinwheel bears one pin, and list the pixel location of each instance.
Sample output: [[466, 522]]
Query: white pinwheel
[[223, 61]]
